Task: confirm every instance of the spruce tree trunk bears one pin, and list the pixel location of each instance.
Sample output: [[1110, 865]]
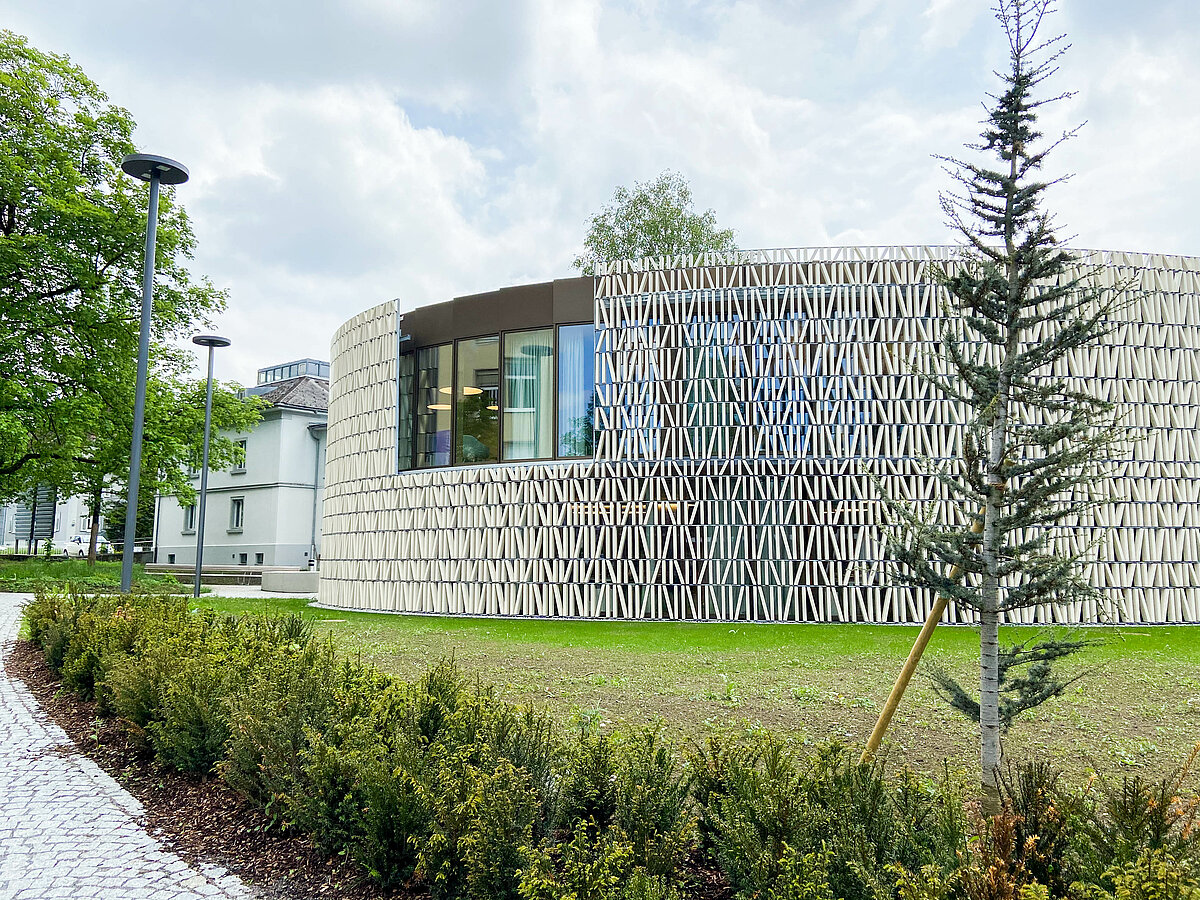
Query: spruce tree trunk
[[989, 615], [94, 531], [989, 710]]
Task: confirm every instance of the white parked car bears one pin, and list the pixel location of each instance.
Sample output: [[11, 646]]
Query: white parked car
[[77, 545]]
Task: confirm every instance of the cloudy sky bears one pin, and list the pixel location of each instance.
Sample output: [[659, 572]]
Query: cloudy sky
[[348, 152]]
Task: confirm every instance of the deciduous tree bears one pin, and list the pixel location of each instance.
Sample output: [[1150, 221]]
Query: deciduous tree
[[72, 231], [656, 218]]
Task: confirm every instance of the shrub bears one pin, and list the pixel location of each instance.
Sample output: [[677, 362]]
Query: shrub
[[752, 809], [193, 726], [929, 883], [1041, 820], [395, 820], [289, 695], [652, 802], [801, 877], [871, 823], [590, 867], [587, 792], [482, 821], [1138, 815], [996, 869], [433, 701], [587, 867], [1155, 875]]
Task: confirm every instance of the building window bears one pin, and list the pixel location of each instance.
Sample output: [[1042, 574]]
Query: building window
[[189, 518], [404, 411], [241, 559], [435, 387], [239, 456], [258, 559], [576, 390], [528, 400], [478, 400], [170, 559], [237, 512]]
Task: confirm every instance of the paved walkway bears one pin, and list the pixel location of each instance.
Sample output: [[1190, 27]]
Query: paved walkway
[[253, 592], [67, 830]]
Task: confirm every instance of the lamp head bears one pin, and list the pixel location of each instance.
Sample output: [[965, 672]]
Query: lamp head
[[146, 165], [211, 340]]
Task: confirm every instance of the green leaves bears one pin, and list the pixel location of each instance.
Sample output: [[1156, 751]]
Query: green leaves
[[654, 219], [72, 232]]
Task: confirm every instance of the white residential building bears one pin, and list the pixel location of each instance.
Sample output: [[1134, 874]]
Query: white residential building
[[267, 511], [66, 522]]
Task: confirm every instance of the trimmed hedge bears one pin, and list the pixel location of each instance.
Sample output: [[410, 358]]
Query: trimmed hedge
[[439, 783]]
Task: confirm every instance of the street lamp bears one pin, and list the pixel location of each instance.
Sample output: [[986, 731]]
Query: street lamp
[[156, 170], [211, 341]]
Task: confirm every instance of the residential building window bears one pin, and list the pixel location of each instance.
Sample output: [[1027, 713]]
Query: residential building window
[[237, 512], [241, 559], [189, 518], [478, 400], [529, 394], [239, 456], [258, 559], [170, 559]]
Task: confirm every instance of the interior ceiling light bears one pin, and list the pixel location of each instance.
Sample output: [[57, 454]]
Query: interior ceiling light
[[445, 390], [439, 406], [493, 407], [471, 391]]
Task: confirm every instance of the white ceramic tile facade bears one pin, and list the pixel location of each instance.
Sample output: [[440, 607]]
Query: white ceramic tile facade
[[743, 404]]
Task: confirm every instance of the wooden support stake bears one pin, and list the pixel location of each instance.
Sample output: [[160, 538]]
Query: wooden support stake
[[910, 665]]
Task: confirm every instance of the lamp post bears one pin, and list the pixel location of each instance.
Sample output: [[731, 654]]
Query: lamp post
[[212, 342], [156, 170]]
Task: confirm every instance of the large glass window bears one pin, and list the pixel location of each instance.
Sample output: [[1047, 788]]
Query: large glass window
[[435, 387], [529, 394], [404, 411], [576, 390], [478, 401]]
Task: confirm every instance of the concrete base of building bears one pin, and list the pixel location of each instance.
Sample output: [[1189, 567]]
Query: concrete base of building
[[289, 582]]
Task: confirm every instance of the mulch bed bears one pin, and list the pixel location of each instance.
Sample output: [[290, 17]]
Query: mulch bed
[[200, 819]]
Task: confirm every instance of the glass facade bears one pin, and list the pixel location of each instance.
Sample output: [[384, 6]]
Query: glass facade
[[529, 394], [313, 367], [405, 373], [477, 401], [519, 395], [435, 387], [576, 390]]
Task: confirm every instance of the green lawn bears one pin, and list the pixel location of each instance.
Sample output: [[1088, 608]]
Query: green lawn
[[32, 574], [1137, 708]]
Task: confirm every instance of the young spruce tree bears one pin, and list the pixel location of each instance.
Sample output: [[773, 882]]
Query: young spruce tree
[[1034, 442]]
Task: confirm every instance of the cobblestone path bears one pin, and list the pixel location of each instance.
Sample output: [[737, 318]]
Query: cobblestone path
[[67, 830]]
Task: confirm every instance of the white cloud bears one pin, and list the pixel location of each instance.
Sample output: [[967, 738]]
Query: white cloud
[[344, 154], [948, 21]]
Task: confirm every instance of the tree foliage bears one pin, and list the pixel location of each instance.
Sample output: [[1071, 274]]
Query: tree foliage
[[656, 218], [1035, 440], [1025, 675], [72, 232]]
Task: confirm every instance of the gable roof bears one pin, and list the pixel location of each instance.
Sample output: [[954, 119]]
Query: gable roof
[[304, 392]]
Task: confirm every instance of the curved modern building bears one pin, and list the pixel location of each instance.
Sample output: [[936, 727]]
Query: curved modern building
[[706, 438]]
